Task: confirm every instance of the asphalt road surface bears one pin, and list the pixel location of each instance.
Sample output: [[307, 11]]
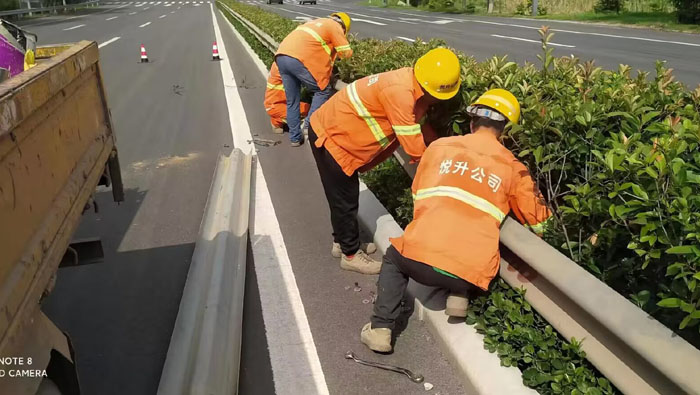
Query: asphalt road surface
[[172, 121], [518, 38]]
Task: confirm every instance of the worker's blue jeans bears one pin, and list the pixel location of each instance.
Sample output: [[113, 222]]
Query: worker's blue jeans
[[294, 75]]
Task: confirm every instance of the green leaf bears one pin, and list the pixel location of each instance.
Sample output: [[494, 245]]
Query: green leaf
[[685, 322], [680, 250], [669, 302]]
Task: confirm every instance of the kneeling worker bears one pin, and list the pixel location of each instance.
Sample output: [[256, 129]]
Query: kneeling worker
[[276, 102], [463, 189], [362, 125]]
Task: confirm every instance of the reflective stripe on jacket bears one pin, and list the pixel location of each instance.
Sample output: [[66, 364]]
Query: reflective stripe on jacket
[[275, 100], [463, 189], [315, 44], [360, 122]]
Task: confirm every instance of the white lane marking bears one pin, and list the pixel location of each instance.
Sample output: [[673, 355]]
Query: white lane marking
[[139, 5], [368, 21], [145, 24], [302, 18], [293, 357], [299, 13], [109, 19], [168, 5], [406, 39], [106, 43], [132, 13], [162, 16], [532, 41], [618, 36], [74, 27]]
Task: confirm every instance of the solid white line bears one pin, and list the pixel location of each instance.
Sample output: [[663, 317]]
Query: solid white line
[[111, 40], [368, 21], [406, 38], [532, 41], [162, 16], [296, 367], [73, 27], [109, 19], [145, 24]]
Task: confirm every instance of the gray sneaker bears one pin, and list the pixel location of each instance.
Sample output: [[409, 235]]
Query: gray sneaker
[[361, 263], [377, 339], [369, 248], [297, 143]]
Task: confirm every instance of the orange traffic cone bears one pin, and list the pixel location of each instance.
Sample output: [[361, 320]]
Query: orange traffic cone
[[215, 52], [144, 56]]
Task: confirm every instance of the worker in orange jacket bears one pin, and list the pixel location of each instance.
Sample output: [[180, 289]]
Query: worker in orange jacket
[[305, 58], [362, 125], [463, 189], [276, 102]]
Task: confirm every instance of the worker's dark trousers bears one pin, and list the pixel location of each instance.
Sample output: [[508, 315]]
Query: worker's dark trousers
[[393, 280], [342, 193]]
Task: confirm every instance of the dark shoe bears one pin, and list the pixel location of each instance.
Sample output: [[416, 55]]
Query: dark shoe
[[297, 143]]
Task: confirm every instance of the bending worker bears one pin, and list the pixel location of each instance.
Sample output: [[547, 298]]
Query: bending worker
[[305, 57], [463, 189], [362, 125], [276, 102]]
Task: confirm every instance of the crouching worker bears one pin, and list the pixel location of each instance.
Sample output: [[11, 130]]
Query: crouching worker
[[463, 189], [276, 102], [360, 126]]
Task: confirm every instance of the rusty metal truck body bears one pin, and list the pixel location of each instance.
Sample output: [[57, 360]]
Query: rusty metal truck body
[[57, 145]]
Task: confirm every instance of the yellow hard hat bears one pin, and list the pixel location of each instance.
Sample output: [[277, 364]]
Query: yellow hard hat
[[500, 100], [438, 73], [345, 18]]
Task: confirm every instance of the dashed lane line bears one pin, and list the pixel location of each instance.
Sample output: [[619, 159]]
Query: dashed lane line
[[532, 41], [162, 16], [145, 24], [369, 21], [74, 27], [110, 18], [111, 40]]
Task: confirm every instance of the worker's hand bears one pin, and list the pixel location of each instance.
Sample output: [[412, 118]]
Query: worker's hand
[[429, 134]]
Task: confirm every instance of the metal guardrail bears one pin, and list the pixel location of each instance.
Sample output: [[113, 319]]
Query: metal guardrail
[[24, 11], [204, 352], [635, 352]]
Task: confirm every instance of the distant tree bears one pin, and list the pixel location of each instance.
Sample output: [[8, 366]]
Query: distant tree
[[688, 11], [608, 5]]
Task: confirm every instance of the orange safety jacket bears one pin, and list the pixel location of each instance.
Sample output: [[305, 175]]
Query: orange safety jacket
[[315, 44], [463, 189], [364, 121], [275, 100]]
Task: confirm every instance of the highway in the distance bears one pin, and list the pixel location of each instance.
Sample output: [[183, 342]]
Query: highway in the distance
[[483, 36]]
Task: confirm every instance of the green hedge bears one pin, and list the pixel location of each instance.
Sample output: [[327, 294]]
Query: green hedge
[[615, 154]]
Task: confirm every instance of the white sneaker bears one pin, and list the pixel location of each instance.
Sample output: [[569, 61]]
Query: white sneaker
[[377, 339], [369, 248], [361, 263], [457, 305]]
